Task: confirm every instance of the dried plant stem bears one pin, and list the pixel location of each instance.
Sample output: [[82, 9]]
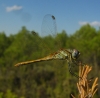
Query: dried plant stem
[[83, 85]]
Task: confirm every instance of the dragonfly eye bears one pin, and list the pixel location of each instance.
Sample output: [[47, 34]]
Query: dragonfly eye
[[75, 54]]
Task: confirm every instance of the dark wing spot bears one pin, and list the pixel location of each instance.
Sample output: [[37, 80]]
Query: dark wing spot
[[33, 32], [53, 17]]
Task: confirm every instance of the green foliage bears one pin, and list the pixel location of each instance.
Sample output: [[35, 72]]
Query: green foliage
[[48, 79], [8, 94]]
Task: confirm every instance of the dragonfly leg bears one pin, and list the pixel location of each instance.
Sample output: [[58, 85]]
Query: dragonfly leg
[[70, 70], [79, 63]]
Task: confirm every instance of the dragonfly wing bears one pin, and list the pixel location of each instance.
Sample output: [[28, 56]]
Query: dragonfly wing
[[49, 26]]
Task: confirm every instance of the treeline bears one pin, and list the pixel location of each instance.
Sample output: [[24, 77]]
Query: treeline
[[48, 79]]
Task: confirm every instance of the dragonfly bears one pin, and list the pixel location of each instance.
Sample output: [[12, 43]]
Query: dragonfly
[[70, 55]]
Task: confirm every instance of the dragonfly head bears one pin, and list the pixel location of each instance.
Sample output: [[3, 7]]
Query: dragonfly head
[[75, 54]]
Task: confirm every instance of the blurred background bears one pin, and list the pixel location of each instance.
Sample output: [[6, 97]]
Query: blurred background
[[77, 26]]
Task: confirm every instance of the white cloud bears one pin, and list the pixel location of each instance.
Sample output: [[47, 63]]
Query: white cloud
[[94, 23], [13, 8], [83, 22]]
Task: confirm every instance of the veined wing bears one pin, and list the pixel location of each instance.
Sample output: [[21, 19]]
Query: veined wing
[[48, 32], [49, 26], [49, 29]]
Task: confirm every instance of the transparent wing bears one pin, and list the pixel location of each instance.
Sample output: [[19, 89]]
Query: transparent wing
[[49, 26]]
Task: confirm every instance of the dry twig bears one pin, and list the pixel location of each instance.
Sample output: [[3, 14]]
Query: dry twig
[[83, 85]]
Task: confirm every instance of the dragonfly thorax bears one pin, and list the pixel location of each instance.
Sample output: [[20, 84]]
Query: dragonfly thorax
[[61, 54], [67, 54]]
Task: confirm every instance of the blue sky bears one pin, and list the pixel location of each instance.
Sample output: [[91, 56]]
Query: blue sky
[[70, 14]]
